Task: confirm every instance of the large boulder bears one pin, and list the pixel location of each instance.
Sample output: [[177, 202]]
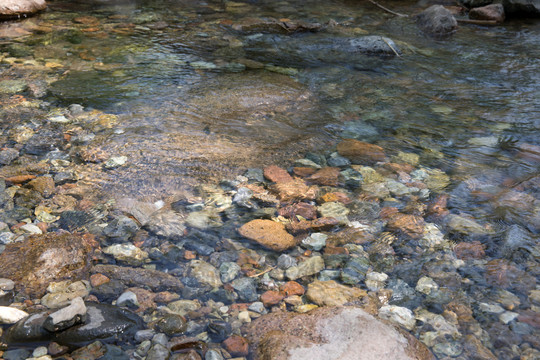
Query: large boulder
[[41, 259], [331, 333], [14, 9], [529, 8], [436, 20]]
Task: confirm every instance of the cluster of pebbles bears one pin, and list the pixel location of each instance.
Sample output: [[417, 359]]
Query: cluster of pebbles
[[183, 280]]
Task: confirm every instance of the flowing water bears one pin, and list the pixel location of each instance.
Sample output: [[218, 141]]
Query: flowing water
[[199, 99]]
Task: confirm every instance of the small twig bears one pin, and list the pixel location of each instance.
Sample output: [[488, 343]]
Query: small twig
[[262, 273], [391, 47], [478, 22], [386, 9]]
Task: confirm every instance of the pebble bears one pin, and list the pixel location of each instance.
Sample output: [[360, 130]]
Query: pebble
[[10, 315], [157, 352], [315, 241], [213, 355], [39, 351], [246, 289], [205, 273], [310, 266], [508, 316], [6, 284], [115, 162], [229, 271], [398, 315], [285, 261], [127, 299], [331, 293], [127, 253], [66, 317], [143, 335], [31, 229], [426, 285]]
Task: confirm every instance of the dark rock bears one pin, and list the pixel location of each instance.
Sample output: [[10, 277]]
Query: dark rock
[[8, 155], [172, 324], [246, 289], [529, 8], [41, 259], [355, 270], [437, 21], [66, 317], [109, 291], [17, 354], [219, 330], [475, 3], [104, 322], [42, 142], [138, 277]]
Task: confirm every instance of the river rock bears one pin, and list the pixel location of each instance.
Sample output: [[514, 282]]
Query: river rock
[[276, 174], [269, 234], [128, 253], [310, 266], [437, 20], [103, 322], [15, 9], [332, 333], [493, 12], [205, 273], [465, 226], [360, 152], [66, 317], [40, 259], [62, 293], [411, 225], [10, 315], [246, 289], [8, 155], [331, 293], [529, 8], [398, 315], [139, 277]]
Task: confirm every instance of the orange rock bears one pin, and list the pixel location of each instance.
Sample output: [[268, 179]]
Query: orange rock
[[360, 152], [304, 171], [269, 234], [438, 206], [407, 168], [270, 298], [295, 190], [19, 179], [387, 212], [409, 224], [320, 224], [43, 185], [189, 255], [42, 226], [236, 345], [276, 174], [292, 288], [86, 20], [166, 297], [325, 176], [336, 197], [335, 250], [470, 250], [98, 279]]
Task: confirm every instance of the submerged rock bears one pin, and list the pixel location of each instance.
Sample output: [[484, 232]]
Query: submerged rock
[[15, 9], [269, 234], [437, 20], [104, 322], [41, 259], [330, 333]]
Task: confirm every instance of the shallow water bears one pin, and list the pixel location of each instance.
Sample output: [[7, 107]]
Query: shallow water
[[190, 112]]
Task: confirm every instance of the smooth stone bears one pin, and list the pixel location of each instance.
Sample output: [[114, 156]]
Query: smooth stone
[[61, 294], [269, 234], [182, 307], [115, 162], [143, 335], [465, 226], [437, 21], [127, 253], [315, 241], [157, 352], [229, 271], [310, 266], [16, 9], [213, 355], [331, 293], [160, 338], [10, 315], [39, 351], [508, 316], [285, 261], [7, 284], [138, 277], [246, 289], [398, 315], [333, 209], [205, 273], [491, 308], [127, 299], [66, 317], [31, 229], [426, 285], [257, 307], [172, 324]]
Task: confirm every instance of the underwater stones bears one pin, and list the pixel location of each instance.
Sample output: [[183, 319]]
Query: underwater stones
[[127, 253], [205, 273], [74, 313], [437, 21], [310, 266], [398, 315], [465, 225], [62, 293], [172, 324], [360, 152], [344, 333], [269, 234], [472, 250], [331, 293], [40, 259], [276, 174], [411, 225], [8, 155], [246, 289], [140, 277], [103, 322]]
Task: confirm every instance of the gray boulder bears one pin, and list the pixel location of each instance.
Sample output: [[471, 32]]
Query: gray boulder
[[436, 20]]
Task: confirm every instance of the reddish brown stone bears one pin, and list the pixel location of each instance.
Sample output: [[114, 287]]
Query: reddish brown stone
[[360, 152], [292, 288], [335, 250], [19, 179], [189, 255], [41, 259], [269, 234], [409, 224], [145, 299], [98, 279], [438, 206], [387, 212], [270, 298], [406, 168], [295, 190], [43, 227], [56, 349], [500, 272], [304, 171], [166, 297], [470, 250], [86, 20], [43, 185], [326, 176], [474, 349], [336, 197], [320, 224], [493, 12], [305, 210], [276, 174], [236, 345]]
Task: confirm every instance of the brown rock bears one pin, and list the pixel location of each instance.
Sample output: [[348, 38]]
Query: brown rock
[[326, 176], [438, 206], [330, 293], [145, 299], [98, 279], [320, 224], [276, 174], [493, 12], [93, 351], [274, 26], [305, 210], [236, 345], [269, 234], [166, 297], [15, 9], [41, 259], [43, 184], [336, 197], [139, 277], [19, 179], [270, 298], [86, 20], [292, 288], [304, 171], [474, 349], [295, 190], [472, 250], [360, 152], [500, 272], [409, 224], [330, 333]]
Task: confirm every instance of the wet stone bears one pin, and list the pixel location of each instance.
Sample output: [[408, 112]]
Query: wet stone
[[269, 234], [205, 273], [398, 315], [246, 289], [331, 293], [229, 271], [355, 270], [315, 241], [172, 324], [8, 155], [310, 266]]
